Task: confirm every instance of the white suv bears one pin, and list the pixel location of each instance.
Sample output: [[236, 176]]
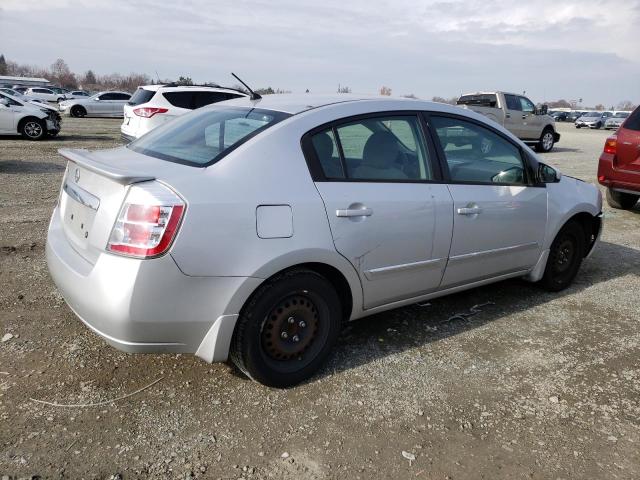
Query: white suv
[[46, 94], [153, 105]]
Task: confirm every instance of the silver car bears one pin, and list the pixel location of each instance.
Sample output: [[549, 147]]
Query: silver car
[[614, 122], [253, 229], [102, 104]]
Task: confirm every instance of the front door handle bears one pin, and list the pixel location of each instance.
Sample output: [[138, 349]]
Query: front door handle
[[469, 211], [354, 212]]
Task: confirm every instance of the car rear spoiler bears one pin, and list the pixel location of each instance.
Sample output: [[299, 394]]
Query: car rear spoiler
[[83, 158]]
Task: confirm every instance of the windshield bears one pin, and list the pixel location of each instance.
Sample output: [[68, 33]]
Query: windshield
[[205, 136], [591, 114], [621, 115]]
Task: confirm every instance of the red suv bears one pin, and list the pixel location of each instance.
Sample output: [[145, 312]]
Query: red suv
[[619, 166]]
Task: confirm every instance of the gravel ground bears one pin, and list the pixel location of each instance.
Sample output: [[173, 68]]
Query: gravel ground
[[535, 385]]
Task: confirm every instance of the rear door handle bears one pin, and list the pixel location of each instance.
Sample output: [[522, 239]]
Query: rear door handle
[[354, 212], [469, 211], [508, 115]]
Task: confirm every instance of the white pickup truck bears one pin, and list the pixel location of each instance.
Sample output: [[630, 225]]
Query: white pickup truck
[[517, 114]]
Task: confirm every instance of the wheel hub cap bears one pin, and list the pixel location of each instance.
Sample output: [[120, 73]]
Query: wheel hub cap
[[290, 328], [33, 129]]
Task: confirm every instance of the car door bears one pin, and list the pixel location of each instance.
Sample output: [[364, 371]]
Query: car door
[[101, 105], [531, 123], [500, 214], [513, 117], [117, 104], [389, 214], [7, 115]]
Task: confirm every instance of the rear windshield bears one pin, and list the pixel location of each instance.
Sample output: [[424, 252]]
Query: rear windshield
[[203, 137], [141, 96], [484, 100], [633, 122]]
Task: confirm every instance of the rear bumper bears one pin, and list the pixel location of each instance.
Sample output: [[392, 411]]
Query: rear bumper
[[610, 177], [145, 306]]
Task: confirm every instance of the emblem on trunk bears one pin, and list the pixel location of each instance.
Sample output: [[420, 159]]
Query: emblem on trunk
[[76, 176]]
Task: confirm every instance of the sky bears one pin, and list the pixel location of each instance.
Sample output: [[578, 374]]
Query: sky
[[550, 49]]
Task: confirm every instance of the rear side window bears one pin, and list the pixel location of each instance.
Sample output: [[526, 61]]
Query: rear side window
[[475, 154], [481, 100], [207, 98], [633, 122], [180, 99], [141, 96], [513, 102], [374, 149], [205, 136]]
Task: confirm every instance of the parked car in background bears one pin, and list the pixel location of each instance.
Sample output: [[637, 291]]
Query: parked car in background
[[19, 117], [20, 88], [573, 116], [73, 94], [44, 94], [619, 165], [517, 114], [617, 119], [153, 105], [102, 104], [560, 116], [60, 90], [26, 98], [254, 229], [593, 120]]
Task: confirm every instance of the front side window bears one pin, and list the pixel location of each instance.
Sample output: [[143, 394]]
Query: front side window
[[203, 137], [475, 154], [512, 102], [121, 96], [526, 105], [377, 149], [106, 96]]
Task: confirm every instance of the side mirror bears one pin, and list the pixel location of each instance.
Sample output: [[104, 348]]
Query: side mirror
[[97, 99], [546, 174]]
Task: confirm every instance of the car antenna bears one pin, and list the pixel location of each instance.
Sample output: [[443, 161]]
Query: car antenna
[[254, 95]]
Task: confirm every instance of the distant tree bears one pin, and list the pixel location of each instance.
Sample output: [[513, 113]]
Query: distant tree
[[560, 104], [265, 91], [449, 101], [344, 89], [3, 65], [410, 95], [386, 91], [184, 81], [626, 105], [62, 75], [600, 107], [89, 78]]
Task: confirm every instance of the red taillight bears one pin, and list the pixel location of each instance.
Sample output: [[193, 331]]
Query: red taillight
[[148, 221], [148, 112], [611, 145]]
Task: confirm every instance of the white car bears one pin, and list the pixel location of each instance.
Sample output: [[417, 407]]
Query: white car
[[253, 229], [44, 94], [102, 104], [77, 94], [20, 117], [153, 105]]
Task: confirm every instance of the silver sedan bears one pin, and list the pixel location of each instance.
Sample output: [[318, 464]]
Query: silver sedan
[[254, 229], [102, 104]]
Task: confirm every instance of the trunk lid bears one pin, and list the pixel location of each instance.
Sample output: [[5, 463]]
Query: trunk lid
[[93, 190]]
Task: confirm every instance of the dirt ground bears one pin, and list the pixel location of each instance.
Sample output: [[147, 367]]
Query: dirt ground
[[535, 385]]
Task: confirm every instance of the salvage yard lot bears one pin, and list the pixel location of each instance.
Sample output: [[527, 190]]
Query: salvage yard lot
[[533, 385]]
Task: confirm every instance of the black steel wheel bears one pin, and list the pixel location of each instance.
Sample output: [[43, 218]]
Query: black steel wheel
[[287, 329], [565, 257], [78, 111]]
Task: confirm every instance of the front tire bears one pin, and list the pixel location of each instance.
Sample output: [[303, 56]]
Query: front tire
[[33, 129], [287, 329], [565, 257], [77, 111], [621, 200], [547, 140]]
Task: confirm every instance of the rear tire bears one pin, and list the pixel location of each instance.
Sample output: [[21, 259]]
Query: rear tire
[[33, 129], [287, 329], [547, 141], [78, 111], [621, 200], [565, 257]]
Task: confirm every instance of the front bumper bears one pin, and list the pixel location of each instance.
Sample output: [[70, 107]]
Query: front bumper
[[149, 305]]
